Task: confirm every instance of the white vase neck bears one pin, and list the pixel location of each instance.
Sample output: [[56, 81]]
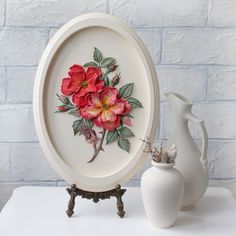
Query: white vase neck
[[163, 165]]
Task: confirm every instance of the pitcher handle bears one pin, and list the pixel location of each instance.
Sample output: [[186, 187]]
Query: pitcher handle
[[203, 158]]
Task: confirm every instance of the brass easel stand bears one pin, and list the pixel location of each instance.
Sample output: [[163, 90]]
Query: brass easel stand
[[96, 196]]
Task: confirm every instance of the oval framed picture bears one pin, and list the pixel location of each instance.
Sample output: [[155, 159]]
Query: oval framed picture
[[96, 97]]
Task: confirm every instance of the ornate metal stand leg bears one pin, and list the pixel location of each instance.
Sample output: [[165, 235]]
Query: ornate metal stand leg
[[120, 204], [96, 196], [73, 193]]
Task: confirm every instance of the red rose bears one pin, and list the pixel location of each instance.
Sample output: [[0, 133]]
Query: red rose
[[80, 101], [81, 82]]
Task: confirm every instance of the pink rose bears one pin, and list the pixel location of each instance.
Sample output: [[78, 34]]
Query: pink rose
[[105, 108]]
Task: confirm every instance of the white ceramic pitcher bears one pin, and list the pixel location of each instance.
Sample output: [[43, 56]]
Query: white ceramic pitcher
[[190, 161]]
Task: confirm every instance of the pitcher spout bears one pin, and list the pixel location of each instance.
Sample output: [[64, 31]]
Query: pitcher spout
[[178, 98], [179, 102]]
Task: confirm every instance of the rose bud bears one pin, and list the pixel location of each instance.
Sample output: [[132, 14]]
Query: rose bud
[[115, 80], [62, 108], [126, 120]]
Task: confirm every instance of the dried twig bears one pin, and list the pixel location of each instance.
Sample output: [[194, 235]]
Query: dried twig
[[160, 155]]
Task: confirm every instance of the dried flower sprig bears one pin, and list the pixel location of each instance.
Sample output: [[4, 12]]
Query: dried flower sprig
[[160, 155]]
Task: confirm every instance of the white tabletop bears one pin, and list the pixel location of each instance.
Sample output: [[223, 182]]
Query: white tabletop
[[40, 211]]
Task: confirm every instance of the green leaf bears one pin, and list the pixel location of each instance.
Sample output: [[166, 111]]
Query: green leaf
[[69, 106], [77, 126], [126, 132], [107, 81], [91, 63], [74, 112], [124, 144], [107, 62], [129, 115], [88, 123], [135, 103], [63, 99], [121, 123], [112, 136], [126, 90], [97, 55]]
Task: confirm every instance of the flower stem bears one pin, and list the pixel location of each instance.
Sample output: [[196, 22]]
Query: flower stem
[[99, 147]]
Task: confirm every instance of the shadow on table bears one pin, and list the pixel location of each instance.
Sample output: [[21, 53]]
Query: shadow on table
[[209, 205], [203, 212]]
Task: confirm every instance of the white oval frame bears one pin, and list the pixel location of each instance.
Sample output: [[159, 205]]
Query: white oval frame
[[95, 19]]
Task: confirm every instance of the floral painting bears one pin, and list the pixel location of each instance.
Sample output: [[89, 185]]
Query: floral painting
[[92, 93]]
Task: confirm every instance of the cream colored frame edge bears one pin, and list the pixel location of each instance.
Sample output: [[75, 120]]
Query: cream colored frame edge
[[72, 26]]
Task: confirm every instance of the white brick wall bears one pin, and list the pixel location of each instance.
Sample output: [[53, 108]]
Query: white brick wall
[[21, 165], [48, 13], [23, 78], [222, 159], [2, 85], [222, 13], [192, 43], [2, 12], [199, 46], [221, 83], [16, 124], [21, 46], [189, 81], [161, 13], [152, 39], [4, 162]]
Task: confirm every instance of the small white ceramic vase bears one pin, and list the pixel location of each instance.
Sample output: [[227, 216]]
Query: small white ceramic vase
[[162, 188]]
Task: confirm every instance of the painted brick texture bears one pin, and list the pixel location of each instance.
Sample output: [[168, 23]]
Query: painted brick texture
[[199, 46], [21, 46], [2, 12], [193, 46], [222, 13], [48, 13], [161, 13]]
